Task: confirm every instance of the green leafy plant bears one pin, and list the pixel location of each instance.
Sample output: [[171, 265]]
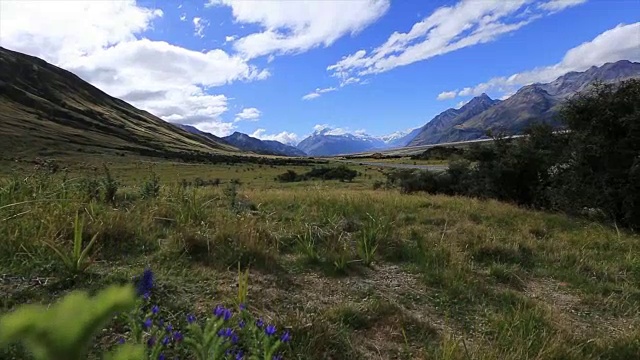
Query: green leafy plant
[[243, 285], [150, 189], [64, 330], [77, 260], [368, 241], [109, 185], [307, 244]]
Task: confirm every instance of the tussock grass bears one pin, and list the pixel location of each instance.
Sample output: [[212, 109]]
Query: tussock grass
[[355, 273]]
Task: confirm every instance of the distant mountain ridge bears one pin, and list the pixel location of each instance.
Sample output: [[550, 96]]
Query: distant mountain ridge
[[47, 110], [535, 103], [265, 147], [443, 125]]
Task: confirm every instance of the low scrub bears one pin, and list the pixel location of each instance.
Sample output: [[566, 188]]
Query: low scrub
[[342, 173]]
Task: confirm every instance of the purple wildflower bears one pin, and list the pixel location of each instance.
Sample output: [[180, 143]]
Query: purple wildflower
[[147, 324], [240, 355], [166, 340], [151, 342], [259, 323], [286, 337], [121, 340], [155, 309], [241, 324], [145, 283], [270, 330], [177, 336], [169, 328], [161, 356], [242, 307], [191, 318], [277, 357]]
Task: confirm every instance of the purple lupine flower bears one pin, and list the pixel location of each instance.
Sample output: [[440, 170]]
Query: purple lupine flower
[[226, 332], [191, 318], [161, 356], [242, 307], [240, 355], [286, 337], [270, 330], [169, 328], [218, 311], [227, 314], [242, 324], [155, 309], [151, 341], [234, 338], [147, 324], [161, 322], [121, 340], [259, 323], [177, 336], [145, 283], [166, 340], [277, 357]]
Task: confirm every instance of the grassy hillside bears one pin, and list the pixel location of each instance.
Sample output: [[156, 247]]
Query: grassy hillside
[[45, 110], [451, 278]]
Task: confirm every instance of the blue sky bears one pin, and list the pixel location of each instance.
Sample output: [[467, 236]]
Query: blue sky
[[277, 69]]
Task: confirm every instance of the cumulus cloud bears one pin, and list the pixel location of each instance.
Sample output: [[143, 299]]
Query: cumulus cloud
[[317, 92], [447, 29], [297, 26], [230, 38], [447, 95], [619, 43], [284, 137], [199, 25], [249, 114], [101, 41], [183, 17]]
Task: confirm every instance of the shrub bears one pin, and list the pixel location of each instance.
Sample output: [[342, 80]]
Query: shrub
[[289, 176], [150, 188], [109, 186]]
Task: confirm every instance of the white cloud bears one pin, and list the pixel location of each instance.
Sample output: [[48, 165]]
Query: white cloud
[[447, 29], [230, 38], [284, 137], [619, 43], [324, 129], [101, 42], [317, 92], [311, 96], [249, 114], [297, 26], [216, 128], [461, 104], [183, 17], [447, 95], [199, 25], [558, 5]]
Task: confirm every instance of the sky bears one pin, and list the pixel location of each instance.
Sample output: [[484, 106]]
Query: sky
[[279, 70]]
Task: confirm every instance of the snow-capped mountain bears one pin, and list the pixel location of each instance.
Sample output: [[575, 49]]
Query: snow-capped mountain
[[327, 141]]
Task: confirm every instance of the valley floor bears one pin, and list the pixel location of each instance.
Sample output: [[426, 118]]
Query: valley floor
[[451, 277]]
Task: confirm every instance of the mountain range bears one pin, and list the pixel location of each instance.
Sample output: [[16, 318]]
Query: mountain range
[[530, 104], [48, 110]]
